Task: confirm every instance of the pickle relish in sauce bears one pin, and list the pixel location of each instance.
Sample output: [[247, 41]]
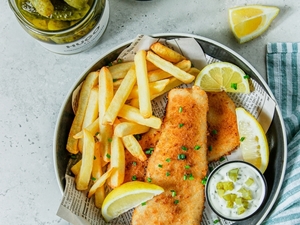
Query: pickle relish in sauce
[[235, 190]]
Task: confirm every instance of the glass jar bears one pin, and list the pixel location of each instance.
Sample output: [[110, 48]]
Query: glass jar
[[67, 30]]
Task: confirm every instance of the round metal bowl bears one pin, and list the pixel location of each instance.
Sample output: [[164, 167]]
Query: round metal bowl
[[276, 134]]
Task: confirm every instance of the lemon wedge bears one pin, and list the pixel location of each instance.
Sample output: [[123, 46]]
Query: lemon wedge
[[128, 196], [253, 141], [223, 76], [248, 22]]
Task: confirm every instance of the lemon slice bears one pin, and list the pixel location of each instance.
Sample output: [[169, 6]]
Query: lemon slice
[[223, 76], [248, 22], [128, 196], [253, 141]]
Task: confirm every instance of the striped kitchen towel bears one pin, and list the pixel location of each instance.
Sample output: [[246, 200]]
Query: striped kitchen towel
[[283, 74]]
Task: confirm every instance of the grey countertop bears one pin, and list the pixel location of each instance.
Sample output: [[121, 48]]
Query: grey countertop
[[34, 83]]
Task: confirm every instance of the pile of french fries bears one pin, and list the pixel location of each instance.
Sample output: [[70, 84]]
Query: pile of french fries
[[114, 105]]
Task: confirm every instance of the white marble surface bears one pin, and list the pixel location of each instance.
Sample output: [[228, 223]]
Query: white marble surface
[[34, 83]]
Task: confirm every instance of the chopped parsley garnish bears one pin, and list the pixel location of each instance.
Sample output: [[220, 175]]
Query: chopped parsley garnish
[[214, 131], [138, 137], [173, 193], [185, 177], [176, 202], [133, 177], [149, 151], [180, 125], [93, 178], [181, 156], [187, 166], [184, 148], [222, 159], [168, 173], [191, 177], [234, 86], [168, 160], [204, 180], [197, 147], [108, 156], [210, 148], [143, 203], [216, 221], [134, 163], [246, 77], [149, 179], [119, 60], [109, 139], [242, 138], [180, 109], [114, 80], [160, 165]]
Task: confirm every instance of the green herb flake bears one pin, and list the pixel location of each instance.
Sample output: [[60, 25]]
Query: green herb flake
[[133, 177], [181, 156], [138, 137], [143, 203], [222, 158], [197, 147], [184, 148], [180, 125], [149, 151], [191, 177], [242, 139], [173, 193], [234, 86], [187, 166], [93, 178], [73, 156], [185, 177], [134, 163], [108, 156], [168, 173], [204, 180], [114, 80], [180, 109], [246, 77], [149, 179], [160, 165], [214, 132], [109, 139], [210, 148], [216, 221], [176, 202], [119, 60], [168, 160]]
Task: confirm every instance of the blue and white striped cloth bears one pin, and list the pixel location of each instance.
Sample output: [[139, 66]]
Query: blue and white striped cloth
[[283, 73]]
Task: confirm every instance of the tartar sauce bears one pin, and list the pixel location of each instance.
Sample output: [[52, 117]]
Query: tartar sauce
[[246, 186]]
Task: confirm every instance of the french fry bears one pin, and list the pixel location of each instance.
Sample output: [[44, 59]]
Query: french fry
[[106, 92], [93, 128], [154, 88], [129, 128], [76, 168], [134, 147], [96, 174], [170, 68], [184, 64], [133, 114], [117, 161], [91, 112], [174, 82], [134, 103], [159, 74], [151, 66], [120, 97], [90, 81], [166, 53], [194, 71], [84, 176], [101, 181], [120, 70], [143, 83]]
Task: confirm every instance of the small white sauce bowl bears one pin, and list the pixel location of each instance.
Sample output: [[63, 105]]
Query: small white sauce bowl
[[258, 190]]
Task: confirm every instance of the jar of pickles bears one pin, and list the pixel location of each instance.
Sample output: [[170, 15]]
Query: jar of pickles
[[63, 26]]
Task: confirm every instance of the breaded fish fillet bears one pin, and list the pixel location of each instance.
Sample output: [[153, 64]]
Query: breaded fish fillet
[[135, 168], [179, 162], [222, 125]]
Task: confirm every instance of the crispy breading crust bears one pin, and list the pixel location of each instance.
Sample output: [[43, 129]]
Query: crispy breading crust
[[223, 135], [181, 133]]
